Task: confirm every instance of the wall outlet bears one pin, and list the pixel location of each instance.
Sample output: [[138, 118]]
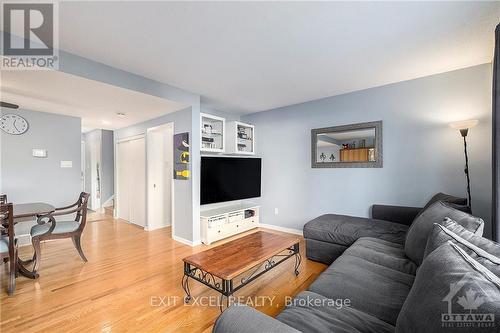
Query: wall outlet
[[37, 152], [276, 211], [66, 164]]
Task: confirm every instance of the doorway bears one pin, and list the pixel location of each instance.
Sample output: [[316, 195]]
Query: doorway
[[95, 174], [159, 179], [131, 180]]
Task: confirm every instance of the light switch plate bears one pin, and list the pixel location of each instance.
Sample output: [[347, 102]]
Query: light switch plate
[[38, 152], [66, 164]]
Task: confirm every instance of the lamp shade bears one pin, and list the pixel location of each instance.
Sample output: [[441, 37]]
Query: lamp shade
[[464, 124]]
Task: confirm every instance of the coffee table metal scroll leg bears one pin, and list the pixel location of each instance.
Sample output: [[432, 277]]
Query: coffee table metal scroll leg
[[227, 291], [185, 282], [298, 258]]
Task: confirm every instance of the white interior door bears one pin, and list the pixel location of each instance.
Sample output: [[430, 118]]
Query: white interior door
[[160, 166], [132, 181]]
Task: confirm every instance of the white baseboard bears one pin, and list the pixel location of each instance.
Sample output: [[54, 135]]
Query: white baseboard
[[156, 228], [185, 241], [283, 229]]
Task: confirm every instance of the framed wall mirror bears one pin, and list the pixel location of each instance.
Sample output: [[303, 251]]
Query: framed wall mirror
[[347, 146]]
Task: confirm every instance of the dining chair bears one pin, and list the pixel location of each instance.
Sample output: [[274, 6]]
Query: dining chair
[[8, 243], [3, 200], [48, 228]]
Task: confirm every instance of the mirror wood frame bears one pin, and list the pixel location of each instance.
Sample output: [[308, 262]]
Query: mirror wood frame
[[378, 163]]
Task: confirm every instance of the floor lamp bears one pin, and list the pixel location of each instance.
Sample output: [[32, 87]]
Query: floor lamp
[[463, 127]]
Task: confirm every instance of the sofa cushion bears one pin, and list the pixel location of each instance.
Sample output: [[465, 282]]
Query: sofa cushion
[[384, 253], [245, 319], [324, 252], [374, 289], [416, 238], [483, 250], [449, 230], [345, 230], [311, 312], [450, 282], [438, 236]]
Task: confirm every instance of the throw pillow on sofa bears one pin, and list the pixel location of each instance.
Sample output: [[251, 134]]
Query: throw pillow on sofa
[[451, 290], [443, 197], [456, 202], [416, 237], [449, 230]]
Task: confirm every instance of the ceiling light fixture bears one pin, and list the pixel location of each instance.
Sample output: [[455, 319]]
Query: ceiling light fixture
[[120, 114]]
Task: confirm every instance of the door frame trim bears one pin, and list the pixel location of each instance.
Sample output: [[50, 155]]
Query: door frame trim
[[83, 162]]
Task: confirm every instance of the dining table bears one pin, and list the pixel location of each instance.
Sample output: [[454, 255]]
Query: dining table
[[29, 210], [24, 212]]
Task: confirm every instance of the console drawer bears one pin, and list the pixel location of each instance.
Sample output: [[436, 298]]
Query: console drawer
[[219, 226]]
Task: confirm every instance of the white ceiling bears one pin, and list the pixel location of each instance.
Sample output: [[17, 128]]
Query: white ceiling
[[95, 102], [252, 56]]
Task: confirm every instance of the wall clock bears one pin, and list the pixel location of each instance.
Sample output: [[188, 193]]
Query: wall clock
[[13, 124]]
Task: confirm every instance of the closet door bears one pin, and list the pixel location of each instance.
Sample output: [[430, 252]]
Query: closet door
[[132, 181], [137, 181]]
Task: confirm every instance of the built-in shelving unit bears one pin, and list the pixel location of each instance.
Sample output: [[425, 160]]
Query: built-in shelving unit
[[220, 223], [241, 138], [212, 133]]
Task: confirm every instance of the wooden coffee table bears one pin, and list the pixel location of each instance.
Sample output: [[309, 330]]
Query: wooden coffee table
[[228, 267]]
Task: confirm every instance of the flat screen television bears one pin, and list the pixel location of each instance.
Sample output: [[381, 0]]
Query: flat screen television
[[229, 178]]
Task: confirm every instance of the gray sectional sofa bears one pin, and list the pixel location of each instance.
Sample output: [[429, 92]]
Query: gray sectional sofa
[[396, 270]]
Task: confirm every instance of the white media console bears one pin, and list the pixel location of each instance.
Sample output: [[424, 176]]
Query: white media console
[[228, 221]]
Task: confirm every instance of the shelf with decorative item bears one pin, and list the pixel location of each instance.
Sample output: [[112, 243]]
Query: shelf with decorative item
[[212, 133], [241, 138]]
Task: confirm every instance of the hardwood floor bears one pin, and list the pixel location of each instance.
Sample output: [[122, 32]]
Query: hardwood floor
[[131, 283]]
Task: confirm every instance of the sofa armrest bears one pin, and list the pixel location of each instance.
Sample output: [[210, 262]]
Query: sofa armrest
[[397, 214], [244, 319]]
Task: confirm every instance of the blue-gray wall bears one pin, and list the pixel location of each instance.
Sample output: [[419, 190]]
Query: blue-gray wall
[[25, 178], [422, 154], [28, 179]]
